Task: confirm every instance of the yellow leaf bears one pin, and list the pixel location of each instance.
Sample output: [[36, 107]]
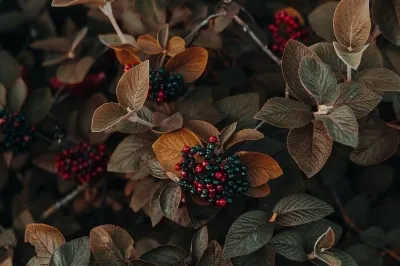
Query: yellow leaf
[[243, 135], [175, 45], [190, 63], [107, 116], [149, 45], [168, 147], [261, 167], [258, 192]]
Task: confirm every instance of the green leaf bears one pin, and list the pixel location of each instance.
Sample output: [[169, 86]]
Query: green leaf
[[393, 238], [358, 210], [170, 198], [328, 55], [360, 99], [248, 233], [291, 59], [199, 243], [107, 116], [321, 20], [289, 244], [285, 113], [318, 79], [377, 143], [75, 252], [300, 209], [265, 256], [379, 79], [38, 105], [342, 126], [361, 254], [165, 256], [9, 72], [325, 241], [344, 258], [374, 237], [213, 256], [386, 16], [16, 95], [328, 258], [240, 108], [353, 58]]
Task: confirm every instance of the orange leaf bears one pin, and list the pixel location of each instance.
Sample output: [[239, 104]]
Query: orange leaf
[[261, 167], [175, 45], [107, 116], [127, 57], [168, 147], [149, 45], [190, 63], [258, 192]]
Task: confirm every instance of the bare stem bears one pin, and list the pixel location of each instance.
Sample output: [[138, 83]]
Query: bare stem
[[348, 73], [259, 125], [136, 119], [107, 10], [203, 23], [287, 93]]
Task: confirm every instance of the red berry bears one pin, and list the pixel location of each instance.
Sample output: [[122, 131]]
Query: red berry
[[183, 173], [199, 168], [219, 175], [178, 167], [219, 188], [205, 163], [275, 47], [213, 139], [186, 149], [208, 186], [27, 138], [161, 94], [220, 202], [159, 100]]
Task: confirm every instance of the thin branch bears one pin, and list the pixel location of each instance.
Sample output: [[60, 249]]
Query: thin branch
[[348, 73], [204, 23], [107, 10], [259, 125]]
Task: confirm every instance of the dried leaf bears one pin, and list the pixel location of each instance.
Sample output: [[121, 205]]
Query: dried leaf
[[190, 63], [16, 95], [321, 20], [8, 239], [352, 23], [133, 86], [168, 147], [227, 133], [74, 72], [170, 199], [52, 44], [7, 262], [285, 113], [261, 167], [310, 146], [75, 252], [213, 256], [258, 192], [170, 124], [111, 245], [156, 213], [325, 241], [244, 135], [149, 45], [202, 129], [112, 40], [64, 3], [45, 239], [386, 16], [175, 46], [353, 58], [107, 115], [127, 56], [379, 79], [156, 170]]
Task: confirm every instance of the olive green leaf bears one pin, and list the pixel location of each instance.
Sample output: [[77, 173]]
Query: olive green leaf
[[199, 243], [300, 209], [16, 95], [342, 126], [289, 244], [377, 142], [9, 72], [328, 258], [379, 79], [170, 199], [75, 252], [265, 256], [318, 79], [285, 113], [38, 105], [353, 58], [213, 256], [165, 255], [374, 237], [321, 20], [386, 16], [326, 52], [344, 258], [107, 115], [247, 234]]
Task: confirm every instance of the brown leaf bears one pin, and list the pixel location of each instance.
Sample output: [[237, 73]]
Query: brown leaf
[[22, 220], [74, 72], [112, 40], [175, 46], [155, 209], [111, 245], [162, 36], [352, 23], [133, 86], [199, 243], [79, 38], [54, 59], [213, 256], [325, 241], [16, 95], [45, 238], [149, 45], [227, 133], [208, 38], [321, 20], [168, 147], [52, 44], [291, 59], [46, 162], [127, 56], [170, 199], [244, 135], [8, 238], [258, 192], [261, 167], [143, 192], [64, 3], [190, 63], [169, 124], [310, 146], [202, 129], [33, 262], [107, 115], [156, 170]]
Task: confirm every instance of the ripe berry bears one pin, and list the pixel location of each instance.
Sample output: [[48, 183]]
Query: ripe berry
[[213, 139]]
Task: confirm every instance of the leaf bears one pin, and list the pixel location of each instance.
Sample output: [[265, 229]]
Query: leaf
[[327, 53], [107, 115], [170, 124], [285, 113], [45, 238], [325, 241], [247, 234], [321, 18], [345, 258], [351, 23], [289, 245], [16, 95], [127, 127], [111, 245], [38, 105], [74, 72], [358, 209], [199, 243], [372, 57], [75, 252], [265, 256], [112, 40], [8, 239], [202, 129], [213, 256], [168, 147], [227, 133], [318, 79], [133, 87], [244, 135], [3, 96], [175, 46], [240, 108], [310, 146], [190, 63], [128, 155], [300, 209], [209, 38], [258, 192], [379, 79], [386, 16], [361, 254], [261, 167], [170, 199], [353, 58], [9, 74], [52, 44], [342, 126], [156, 170], [156, 214], [374, 237], [65, 3], [165, 255], [149, 45], [163, 35], [143, 192], [328, 258], [360, 99], [4, 172], [141, 263]]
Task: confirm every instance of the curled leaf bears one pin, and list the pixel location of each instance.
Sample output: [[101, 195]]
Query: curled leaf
[[149, 45], [107, 116], [244, 135]]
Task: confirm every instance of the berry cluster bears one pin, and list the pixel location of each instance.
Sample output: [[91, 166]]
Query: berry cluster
[[207, 174], [164, 87], [17, 132], [286, 27], [81, 162], [91, 81]]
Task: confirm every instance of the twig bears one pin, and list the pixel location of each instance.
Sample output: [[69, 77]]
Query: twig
[[107, 10], [354, 227], [376, 32], [287, 93], [259, 125], [348, 73], [204, 23]]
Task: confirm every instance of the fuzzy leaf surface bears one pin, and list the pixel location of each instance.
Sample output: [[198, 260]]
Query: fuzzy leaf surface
[[170, 198], [288, 244], [327, 53], [213, 256], [75, 252], [379, 79], [353, 58], [107, 116]]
